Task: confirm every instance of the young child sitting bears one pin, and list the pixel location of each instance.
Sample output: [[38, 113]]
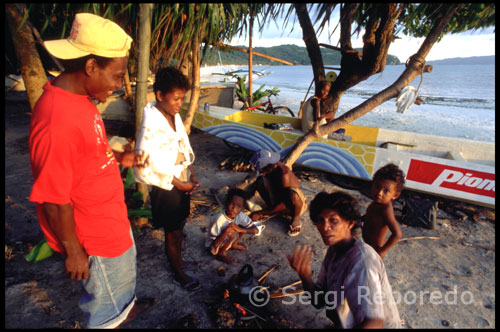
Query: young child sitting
[[387, 185], [230, 225]]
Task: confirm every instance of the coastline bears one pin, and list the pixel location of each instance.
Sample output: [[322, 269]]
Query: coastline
[[455, 260]]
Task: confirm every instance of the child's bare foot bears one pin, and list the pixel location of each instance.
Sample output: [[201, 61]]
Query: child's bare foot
[[239, 246], [226, 259]]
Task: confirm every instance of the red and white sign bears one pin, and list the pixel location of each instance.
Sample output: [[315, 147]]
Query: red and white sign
[[451, 177]]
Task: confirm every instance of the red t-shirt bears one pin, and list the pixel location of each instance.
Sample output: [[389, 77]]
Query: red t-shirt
[[72, 163]]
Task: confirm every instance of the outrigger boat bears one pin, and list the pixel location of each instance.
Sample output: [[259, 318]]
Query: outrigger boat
[[449, 167]]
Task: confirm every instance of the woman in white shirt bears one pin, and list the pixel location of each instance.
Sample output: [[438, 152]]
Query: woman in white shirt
[[163, 141]]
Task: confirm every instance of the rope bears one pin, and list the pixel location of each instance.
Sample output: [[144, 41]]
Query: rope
[[421, 69]]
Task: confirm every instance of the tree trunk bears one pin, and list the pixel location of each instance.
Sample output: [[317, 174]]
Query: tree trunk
[[141, 88], [415, 66], [312, 45], [31, 66], [195, 81]]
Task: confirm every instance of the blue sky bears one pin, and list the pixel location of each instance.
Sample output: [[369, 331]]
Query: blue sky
[[472, 43]]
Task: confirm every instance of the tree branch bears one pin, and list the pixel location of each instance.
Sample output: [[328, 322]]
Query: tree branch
[[415, 66]]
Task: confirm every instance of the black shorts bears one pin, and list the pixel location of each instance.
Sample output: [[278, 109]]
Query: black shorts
[[170, 208]]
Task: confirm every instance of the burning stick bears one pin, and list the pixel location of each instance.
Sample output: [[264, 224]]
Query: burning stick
[[251, 312], [264, 276], [240, 308]]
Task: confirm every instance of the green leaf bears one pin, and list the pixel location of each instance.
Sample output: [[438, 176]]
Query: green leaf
[[129, 179], [140, 212], [39, 252]]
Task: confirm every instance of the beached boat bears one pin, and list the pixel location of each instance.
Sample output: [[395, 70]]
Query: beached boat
[[449, 167], [226, 74]]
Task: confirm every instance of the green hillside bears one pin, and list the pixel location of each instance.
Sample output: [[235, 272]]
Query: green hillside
[[292, 53]]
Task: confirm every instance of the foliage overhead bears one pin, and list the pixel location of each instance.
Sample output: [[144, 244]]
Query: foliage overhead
[[174, 24], [416, 19]]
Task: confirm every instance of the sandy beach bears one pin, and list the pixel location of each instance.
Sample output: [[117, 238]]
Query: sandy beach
[[441, 278]]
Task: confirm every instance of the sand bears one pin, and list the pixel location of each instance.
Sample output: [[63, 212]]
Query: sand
[[441, 278]]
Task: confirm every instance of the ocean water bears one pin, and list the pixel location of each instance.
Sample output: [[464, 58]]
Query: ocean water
[[459, 100]]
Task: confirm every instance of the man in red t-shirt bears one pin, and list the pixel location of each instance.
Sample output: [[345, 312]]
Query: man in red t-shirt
[[77, 187]]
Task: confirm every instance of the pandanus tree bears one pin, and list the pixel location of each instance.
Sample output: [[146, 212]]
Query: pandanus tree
[[179, 31], [381, 23]]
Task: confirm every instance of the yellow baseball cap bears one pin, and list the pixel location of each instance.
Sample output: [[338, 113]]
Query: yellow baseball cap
[[91, 34]]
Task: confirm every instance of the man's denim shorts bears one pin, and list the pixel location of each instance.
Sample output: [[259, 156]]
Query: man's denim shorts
[[109, 292]]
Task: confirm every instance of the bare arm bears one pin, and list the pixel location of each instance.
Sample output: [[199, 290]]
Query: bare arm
[[128, 159], [300, 261], [189, 186], [61, 221], [250, 230], [392, 223], [316, 109]]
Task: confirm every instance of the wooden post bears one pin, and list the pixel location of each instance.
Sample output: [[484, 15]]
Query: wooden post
[[141, 89], [253, 53]]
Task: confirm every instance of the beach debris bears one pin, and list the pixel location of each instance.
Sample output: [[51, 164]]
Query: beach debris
[[221, 271], [225, 318], [8, 253], [307, 175], [140, 222], [467, 244], [188, 321]]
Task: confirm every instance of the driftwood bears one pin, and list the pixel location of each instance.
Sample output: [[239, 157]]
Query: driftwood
[[420, 238]]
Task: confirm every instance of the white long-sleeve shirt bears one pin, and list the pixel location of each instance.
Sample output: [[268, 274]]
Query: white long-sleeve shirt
[[162, 144]]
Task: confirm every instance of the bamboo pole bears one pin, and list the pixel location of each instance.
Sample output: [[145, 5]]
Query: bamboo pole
[[254, 53], [250, 54]]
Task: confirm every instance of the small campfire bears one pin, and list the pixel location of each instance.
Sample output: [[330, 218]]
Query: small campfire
[[234, 309]]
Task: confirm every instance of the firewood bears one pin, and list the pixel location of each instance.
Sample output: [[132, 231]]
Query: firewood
[[264, 276]]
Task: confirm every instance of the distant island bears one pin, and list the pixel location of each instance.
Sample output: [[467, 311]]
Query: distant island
[[292, 53], [298, 56], [474, 60]]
